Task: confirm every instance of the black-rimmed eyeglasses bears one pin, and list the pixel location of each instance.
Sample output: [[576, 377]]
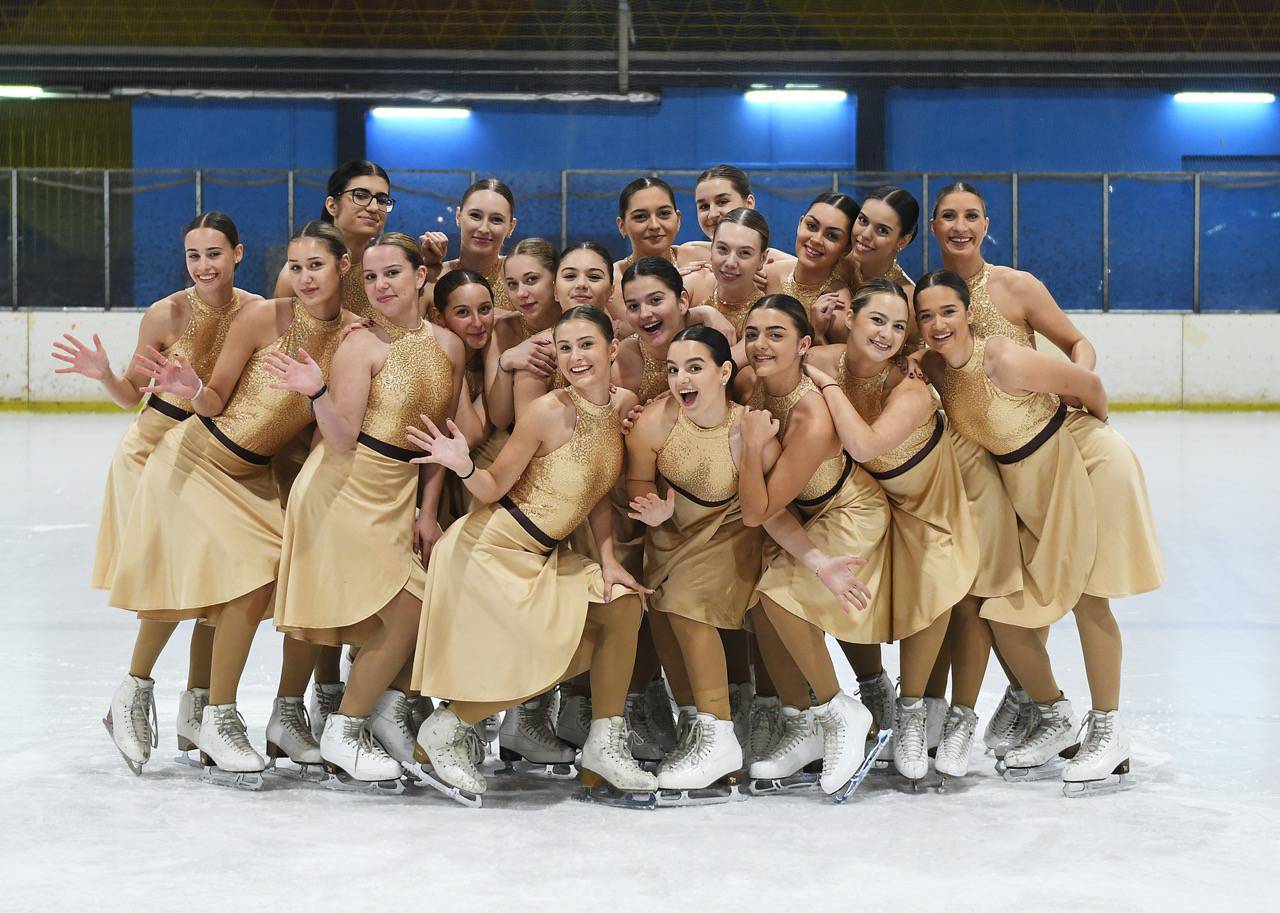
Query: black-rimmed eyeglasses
[[362, 197]]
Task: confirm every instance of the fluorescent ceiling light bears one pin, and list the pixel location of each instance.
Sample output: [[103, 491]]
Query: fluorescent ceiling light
[[1224, 98], [21, 91], [421, 113], [796, 96]]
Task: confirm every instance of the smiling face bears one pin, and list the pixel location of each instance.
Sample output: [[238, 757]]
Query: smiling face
[[822, 237], [880, 327], [391, 282], [360, 223], [877, 234], [651, 222], [485, 221], [774, 345], [469, 315], [943, 320], [583, 355], [654, 311], [961, 224], [211, 260], [530, 287], [693, 376], [715, 197], [737, 252], [314, 272], [583, 278]]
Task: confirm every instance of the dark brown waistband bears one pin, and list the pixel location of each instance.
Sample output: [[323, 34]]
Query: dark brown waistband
[[919, 455], [165, 408], [1049, 430], [247, 455], [696, 500], [388, 450], [848, 468], [528, 525]]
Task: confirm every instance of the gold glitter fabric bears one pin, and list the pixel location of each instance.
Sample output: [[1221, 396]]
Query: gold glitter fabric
[[806, 294], [997, 421], [735, 313], [826, 478], [895, 274], [697, 460], [867, 395], [354, 298], [416, 379], [986, 317], [557, 490], [498, 284], [653, 380], [263, 420], [201, 340]]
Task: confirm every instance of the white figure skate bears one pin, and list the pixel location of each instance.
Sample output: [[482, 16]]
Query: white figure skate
[[325, 699], [794, 761], [957, 742], [292, 751], [741, 698], [131, 721], [935, 720], [610, 773], [878, 694], [765, 726], [443, 759], [646, 739], [191, 704], [1011, 722], [354, 760], [1044, 752], [911, 754], [391, 723], [705, 768], [574, 720], [225, 752], [528, 734], [1101, 765], [845, 759]]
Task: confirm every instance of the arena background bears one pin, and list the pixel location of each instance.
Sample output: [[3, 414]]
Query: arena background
[[1158, 220]]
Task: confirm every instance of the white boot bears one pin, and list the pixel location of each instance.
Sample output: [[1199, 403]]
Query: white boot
[[845, 723], [799, 743], [646, 740], [392, 725], [442, 743], [607, 755], [1053, 731], [528, 732], [935, 720], [574, 720], [325, 699], [225, 744], [710, 751], [289, 733], [1103, 759], [1011, 722], [879, 694], [348, 745], [766, 727], [191, 704], [957, 741], [911, 753], [131, 720]]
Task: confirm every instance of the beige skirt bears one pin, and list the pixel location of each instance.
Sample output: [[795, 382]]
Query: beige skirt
[[933, 540], [131, 455], [286, 464], [703, 564], [999, 554], [204, 529], [1128, 559], [348, 545], [501, 618], [853, 521]]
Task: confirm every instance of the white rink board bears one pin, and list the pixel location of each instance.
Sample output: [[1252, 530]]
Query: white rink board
[[1170, 359]]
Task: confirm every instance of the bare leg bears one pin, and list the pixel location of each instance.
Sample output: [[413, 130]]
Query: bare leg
[[919, 652], [148, 645], [237, 624], [383, 656], [807, 646], [704, 658], [1103, 651]]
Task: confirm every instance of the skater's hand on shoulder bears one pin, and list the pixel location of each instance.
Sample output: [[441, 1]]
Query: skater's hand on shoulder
[[818, 376], [365, 324], [758, 427], [652, 510], [836, 574]]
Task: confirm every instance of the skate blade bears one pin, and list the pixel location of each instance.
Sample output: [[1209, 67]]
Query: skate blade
[[1115, 783], [1050, 770], [134, 767], [302, 773], [719, 793], [797, 782], [186, 760], [250, 781], [841, 795], [343, 782], [605, 794], [514, 764], [422, 776]]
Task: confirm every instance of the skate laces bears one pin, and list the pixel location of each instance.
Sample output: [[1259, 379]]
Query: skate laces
[[794, 731], [765, 724], [1094, 732], [357, 730], [296, 721], [910, 736], [1043, 729], [538, 721], [957, 734], [232, 728], [1009, 715], [142, 717]]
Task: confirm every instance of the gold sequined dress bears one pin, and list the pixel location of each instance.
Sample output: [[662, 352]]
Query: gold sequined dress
[[206, 523], [199, 344], [735, 313], [703, 562], [933, 540], [845, 513], [506, 599], [354, 297], [1084, 521], [348, 529]]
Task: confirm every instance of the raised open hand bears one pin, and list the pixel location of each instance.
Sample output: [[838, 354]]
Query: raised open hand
[[91, 363], [301, 375], [169, 374], [447, 450], [652, 510]]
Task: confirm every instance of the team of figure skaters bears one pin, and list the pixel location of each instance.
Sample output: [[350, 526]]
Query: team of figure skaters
[[606, 513]]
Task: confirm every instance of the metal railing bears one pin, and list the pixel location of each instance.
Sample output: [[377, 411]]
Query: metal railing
[[1117, 240]]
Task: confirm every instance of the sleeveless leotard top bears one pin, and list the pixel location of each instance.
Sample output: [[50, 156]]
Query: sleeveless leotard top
[[867, 395], [697, 462], [201, 341], [831, 472], [416, 379], [986, 317]]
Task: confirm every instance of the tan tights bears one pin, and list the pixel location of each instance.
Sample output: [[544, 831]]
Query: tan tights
[[806, 645], [237, 623], [607, 648], [737, 656], [383, 660], [329, 665], [703, 657], [1024, 649], [782, 676], [865, 659], [918, 652], [670, 652], [151, 640]]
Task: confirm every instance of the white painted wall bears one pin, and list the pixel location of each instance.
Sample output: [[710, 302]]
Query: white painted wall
[[1177, 359]]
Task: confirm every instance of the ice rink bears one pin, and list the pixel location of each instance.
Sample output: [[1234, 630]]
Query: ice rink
[[1200, 830]]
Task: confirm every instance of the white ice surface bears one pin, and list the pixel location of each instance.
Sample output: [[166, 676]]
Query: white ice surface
[[1199, 832]]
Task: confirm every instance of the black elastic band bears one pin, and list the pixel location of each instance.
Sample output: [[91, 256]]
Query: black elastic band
[[919, 454], [696, 500], [1031, 446], [848, 468], [167, 408], [388, 450], [247, 455], [529, 526]]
